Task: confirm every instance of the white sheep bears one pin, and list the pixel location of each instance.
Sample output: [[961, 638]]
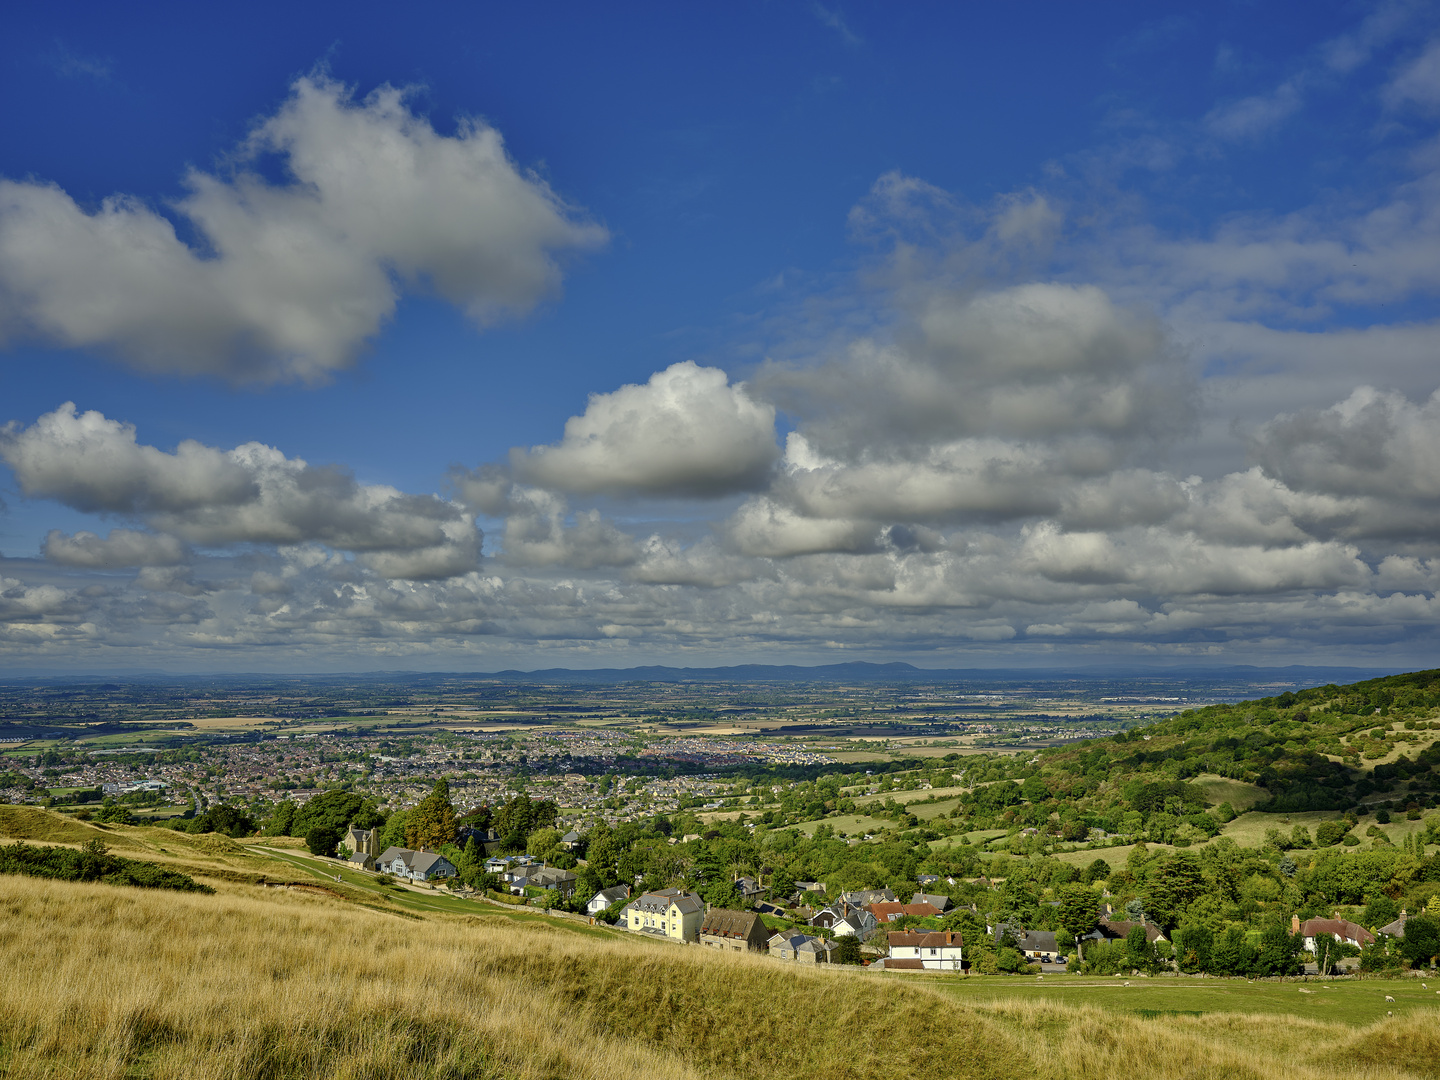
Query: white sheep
[[1389, 998]]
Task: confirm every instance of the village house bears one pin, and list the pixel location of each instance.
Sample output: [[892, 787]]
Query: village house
[[861, 897], [748, 887], [1348, 932], [801, 948], [938, 900], [541, 877], [362, 841], [667, 913], [415, 865], [605, 897], [736, 931], [1396, 929], [1038, 946], [1119, 930], [843, 919], [885, 913], [935, 950]]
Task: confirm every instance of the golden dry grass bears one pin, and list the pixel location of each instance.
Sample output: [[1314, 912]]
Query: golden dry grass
[[102, 981]]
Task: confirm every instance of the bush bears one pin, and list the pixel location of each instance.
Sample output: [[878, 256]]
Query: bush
[[1383, 817], [1330, 832], [321, 839], [93, 862]]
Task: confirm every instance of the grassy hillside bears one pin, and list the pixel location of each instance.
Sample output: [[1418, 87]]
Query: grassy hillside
[[257, 984]]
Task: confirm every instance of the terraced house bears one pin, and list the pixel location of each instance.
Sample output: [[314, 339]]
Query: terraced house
[[667, 913]]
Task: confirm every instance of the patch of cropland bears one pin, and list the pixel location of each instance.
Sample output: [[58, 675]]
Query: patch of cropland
[[251, 983]]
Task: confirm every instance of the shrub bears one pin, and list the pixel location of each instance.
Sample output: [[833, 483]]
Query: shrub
[[1330, 832], [1383, 817], [93, 862], [321, 839]]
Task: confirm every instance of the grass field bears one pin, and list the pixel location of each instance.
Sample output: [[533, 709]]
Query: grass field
[[291, 983], [286, 984], [1240, 795], [1345, 1001]]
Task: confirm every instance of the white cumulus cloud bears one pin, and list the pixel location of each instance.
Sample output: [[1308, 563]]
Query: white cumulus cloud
[[687, 431], [288, 280]]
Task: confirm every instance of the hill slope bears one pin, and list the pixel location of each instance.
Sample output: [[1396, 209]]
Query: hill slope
[[255, 984]]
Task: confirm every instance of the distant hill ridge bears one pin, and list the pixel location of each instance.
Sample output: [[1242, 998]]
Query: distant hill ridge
[[851, 671]]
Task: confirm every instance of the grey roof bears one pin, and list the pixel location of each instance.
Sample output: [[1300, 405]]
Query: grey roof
[[423, 862], [659, 902], [1396, 928], [390, 854], [610, 895]]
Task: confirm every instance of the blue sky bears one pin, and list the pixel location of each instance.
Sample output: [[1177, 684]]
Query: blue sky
[[961, 334]]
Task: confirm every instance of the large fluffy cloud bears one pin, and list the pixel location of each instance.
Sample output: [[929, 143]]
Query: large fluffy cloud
[[251, 494], [1036, 361], [292, 278], [685, 432]]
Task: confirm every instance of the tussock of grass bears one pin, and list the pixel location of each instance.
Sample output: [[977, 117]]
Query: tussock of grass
[[286, 984]]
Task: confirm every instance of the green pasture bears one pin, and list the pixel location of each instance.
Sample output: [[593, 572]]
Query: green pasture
[[1240, 795], [1359, 1001], [849, 824]]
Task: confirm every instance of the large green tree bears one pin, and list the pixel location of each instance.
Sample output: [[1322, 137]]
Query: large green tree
[[1079, 911], [432, 823]]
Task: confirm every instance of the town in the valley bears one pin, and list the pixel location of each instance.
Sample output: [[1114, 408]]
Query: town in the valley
[[1002, 825]]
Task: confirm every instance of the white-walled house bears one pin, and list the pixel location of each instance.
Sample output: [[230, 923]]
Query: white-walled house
[[934, 950], [605, 897]]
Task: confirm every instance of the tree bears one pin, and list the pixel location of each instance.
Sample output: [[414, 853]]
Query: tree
[[229, 820], [1279, 951], [1422, 939], [432, 823], [847, 950], [1079, 911], [1193, 944], [1098, 870], [1231, 953], [1140, 953], [543, 842], [112, 813], [334, 809], [281, 820], [1380, 911], [1174, 885], [1331, 832], [321, 839]]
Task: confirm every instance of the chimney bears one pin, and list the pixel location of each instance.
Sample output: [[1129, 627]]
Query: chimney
[[1294, 924]]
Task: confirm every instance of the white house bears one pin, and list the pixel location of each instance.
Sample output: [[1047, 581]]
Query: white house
[[1348, 932], [844, 919], [605, 897], [935, 950]]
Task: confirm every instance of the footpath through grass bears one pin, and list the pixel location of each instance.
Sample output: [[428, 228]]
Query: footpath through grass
[[1355, 1002]]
